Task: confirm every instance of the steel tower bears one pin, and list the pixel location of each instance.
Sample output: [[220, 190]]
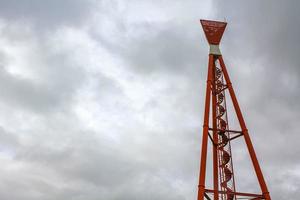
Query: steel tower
[[218, 82]]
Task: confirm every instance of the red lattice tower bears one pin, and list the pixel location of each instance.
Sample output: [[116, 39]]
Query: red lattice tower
[[218, 82]]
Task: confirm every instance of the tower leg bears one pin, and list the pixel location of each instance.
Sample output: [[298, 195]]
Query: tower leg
[[253, 157], [201, 186], [215, 135]]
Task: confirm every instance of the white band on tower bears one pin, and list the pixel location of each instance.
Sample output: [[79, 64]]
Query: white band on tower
[[214, 49]]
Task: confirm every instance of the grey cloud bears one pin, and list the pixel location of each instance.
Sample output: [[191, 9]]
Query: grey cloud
[[57, 75], [261, 37], [46, 14], [167, 49], [135, 132], [57, 91]]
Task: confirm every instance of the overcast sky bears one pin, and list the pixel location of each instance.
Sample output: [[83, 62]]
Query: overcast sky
[[103, 100]]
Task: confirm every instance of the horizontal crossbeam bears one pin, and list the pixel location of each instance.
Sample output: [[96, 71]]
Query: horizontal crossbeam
[[230, 131], [217, 144], [257, 196]]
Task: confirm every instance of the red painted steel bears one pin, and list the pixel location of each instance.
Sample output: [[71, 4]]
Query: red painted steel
[[201, 186], [218, 82], [215, 140], [213, 30]]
